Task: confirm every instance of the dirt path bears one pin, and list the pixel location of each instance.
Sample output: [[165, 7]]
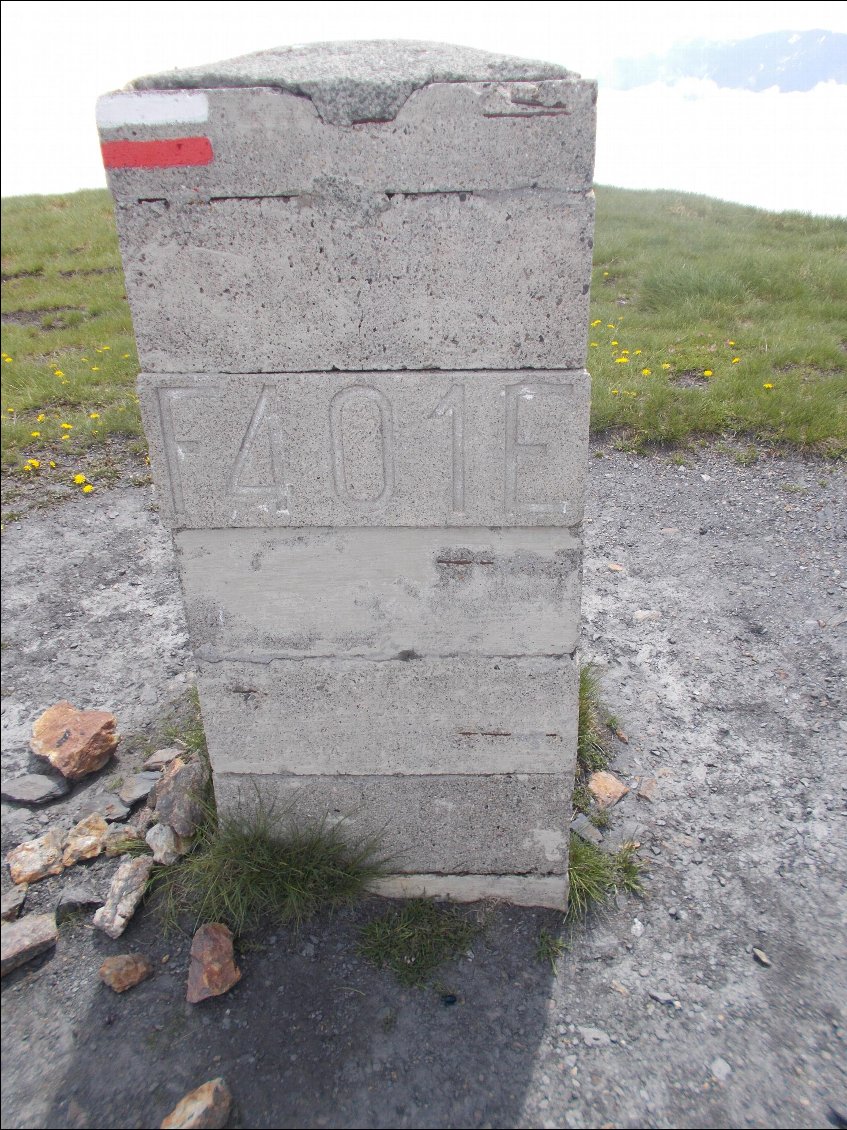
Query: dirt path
[[733, 700]]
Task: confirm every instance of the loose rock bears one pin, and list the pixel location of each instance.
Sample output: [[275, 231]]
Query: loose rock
[[76, 742], [212, 970], [138, 787], [86, 839], [720, 1069], [762, 957], [162, 757], [125, 971], [166, 845], [34, 788], [12, 903], [73, 899], [178, 797], [124, 896], [606, 788], [110, 807], [25, 939], [646, 788], [664, 998], [36, 859], [206, 1108], [585, 829], [595, 1037]]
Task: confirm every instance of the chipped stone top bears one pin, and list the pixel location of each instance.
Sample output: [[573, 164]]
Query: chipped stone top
[[362, 80]]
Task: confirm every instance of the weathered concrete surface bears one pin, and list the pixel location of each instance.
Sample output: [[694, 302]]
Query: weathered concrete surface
[[423, 715], [520, 890], [353, 280], [378, 593], [359, 280], [466, 825], [369, 449], [447, 138], [359, 80]]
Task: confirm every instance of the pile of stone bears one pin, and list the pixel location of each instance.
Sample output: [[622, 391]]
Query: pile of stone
[[167, 796]]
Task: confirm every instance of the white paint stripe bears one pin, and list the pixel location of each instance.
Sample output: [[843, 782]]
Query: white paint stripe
[[151, 108]]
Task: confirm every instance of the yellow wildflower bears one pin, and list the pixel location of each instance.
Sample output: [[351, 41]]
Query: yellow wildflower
[[95, 368], [614, 343], [596, 322], [94, 415], [592, 344], [52, 462], [67, 427], [79, 479], [614, 392], [708, 373], [637, 352], [767, 385], [34, 463], [621, 360], [58, 373], [646, 372], [735, 360], [87, 489], [35, 435], [666, 364]]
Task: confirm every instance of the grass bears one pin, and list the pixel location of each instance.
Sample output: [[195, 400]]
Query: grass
[[261, 866], [414, 940], [707, 319], [714, 319], [549, 947], [596, 875]]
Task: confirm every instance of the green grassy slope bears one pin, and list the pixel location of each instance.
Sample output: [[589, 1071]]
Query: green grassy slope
[[707, 319]]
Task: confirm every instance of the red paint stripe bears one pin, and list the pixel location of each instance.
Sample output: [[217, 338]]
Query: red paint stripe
[[165, 154]]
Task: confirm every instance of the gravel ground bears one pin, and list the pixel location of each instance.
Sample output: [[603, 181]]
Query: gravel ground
[[732, 696]]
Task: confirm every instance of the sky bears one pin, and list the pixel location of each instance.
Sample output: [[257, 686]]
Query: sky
[[776, 151]]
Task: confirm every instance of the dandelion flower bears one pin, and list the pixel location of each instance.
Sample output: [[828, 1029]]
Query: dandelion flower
[[621, 360], [592, 344], [615, 392], [95, 368], [79, 479], [730, 343], [611, 326], [7, 360], [67, 427], [58, 373], [125, 356], [614, 343], [637, 352], [34, 463], [94, 415], [65, 436], [35, 435], [596, 322], [646, 372], [767, 385], [666, 364], [87, 489], [735, 360], [52, 462], [10, 410], [708, 373]]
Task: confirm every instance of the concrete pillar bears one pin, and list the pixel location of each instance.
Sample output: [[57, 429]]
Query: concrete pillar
[[359, 276]]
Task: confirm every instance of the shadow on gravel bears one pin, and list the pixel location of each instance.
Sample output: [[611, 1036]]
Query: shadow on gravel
[[312, 1036]]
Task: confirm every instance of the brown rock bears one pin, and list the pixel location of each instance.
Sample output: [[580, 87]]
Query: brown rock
[[162, 757], [86, 839], [212, 970], [647, 787], [606, 788], [178, 797], [142, 820], [76, 742], [25, 939], [36, 859], [125, 971], [124, 896], [206, 1108]]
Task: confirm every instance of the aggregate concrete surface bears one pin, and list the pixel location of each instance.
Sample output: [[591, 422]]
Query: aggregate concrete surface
[[732, 696]]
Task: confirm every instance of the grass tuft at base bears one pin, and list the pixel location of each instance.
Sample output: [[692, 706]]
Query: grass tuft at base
[[260, 866]]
